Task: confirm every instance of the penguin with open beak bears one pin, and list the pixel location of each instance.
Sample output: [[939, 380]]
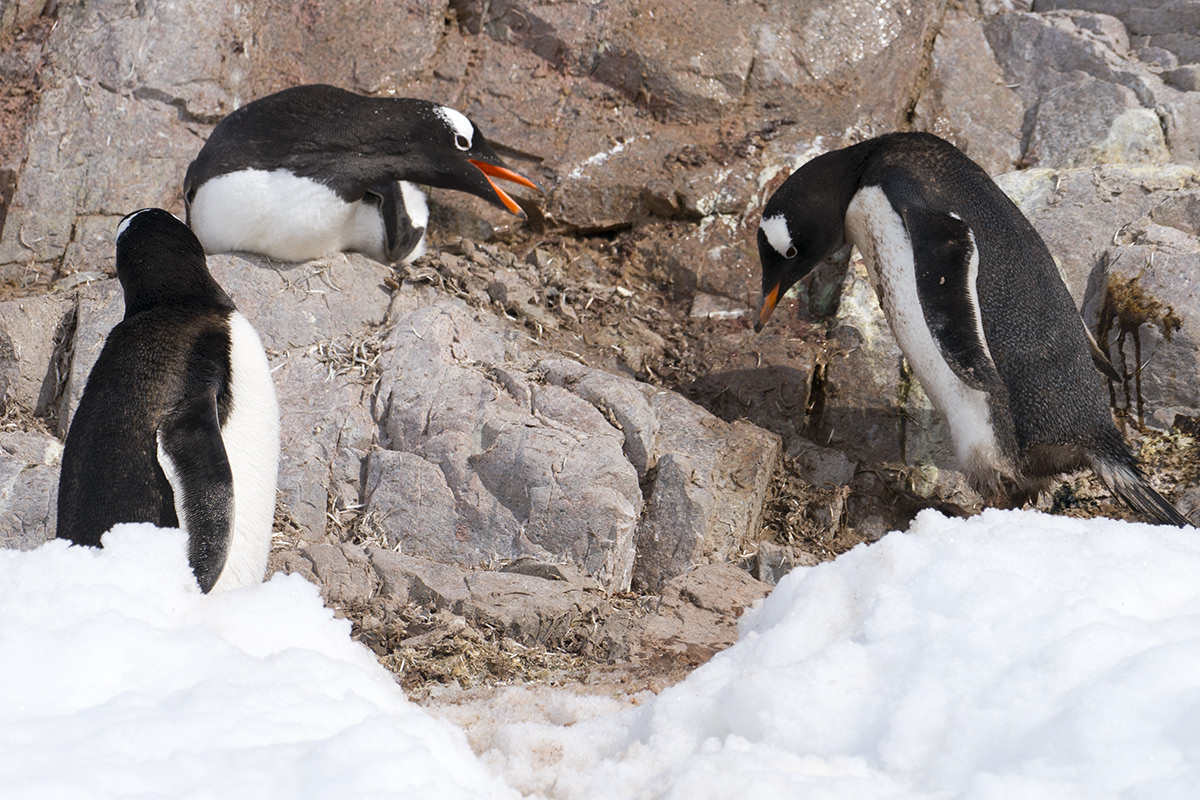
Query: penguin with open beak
[[314, 170], [975, 302]]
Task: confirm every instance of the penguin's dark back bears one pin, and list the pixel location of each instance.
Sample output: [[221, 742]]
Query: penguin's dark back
[[1035, 335], [110, 471], [305, 129]]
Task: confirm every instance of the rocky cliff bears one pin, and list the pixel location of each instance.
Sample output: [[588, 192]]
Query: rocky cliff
[[576, 409]]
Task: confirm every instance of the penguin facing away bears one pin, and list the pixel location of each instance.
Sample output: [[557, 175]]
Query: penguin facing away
[[975, 302], [179, 423], [313, 170]]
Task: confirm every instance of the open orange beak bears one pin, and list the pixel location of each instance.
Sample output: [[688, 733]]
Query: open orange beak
[[768, 305], [492, 171]]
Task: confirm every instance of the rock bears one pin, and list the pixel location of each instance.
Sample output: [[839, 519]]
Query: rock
[[822, 466], [550, 572], [37, 326], [1089, 98], [10, 369], [326, 431], [618, 400], [343, 572], [1169, 24], [706, 500], [772, 397], [29, 465], [698, 614], [526, 608], [423, 581], [1149, 322], [312, 303], [79, 172], [772, 561], [524, 483], [967, 100], [1086, 121], [99, 307], [668, 58], [1185, 78], [409, 504]]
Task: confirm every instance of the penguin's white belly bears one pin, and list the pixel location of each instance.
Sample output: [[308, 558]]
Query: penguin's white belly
[[877, 230], [282, 216], [251, 437]]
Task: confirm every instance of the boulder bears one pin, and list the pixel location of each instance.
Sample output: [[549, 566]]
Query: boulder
[[706, 500], [967, 99], [526, 481], [699, 611], [1088, 96], [529, 609], [29, 465], [10, 369], [38, 326]]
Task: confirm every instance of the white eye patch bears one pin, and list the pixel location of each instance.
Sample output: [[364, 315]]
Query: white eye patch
[[464, 131], [128, 219], [776, 230]]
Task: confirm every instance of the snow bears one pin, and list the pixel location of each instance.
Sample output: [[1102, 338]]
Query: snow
[[1012, 654]]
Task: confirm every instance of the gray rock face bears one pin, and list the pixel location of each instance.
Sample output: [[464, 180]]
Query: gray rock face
[[526, 481], [968, 100], [10, 368], [1170, 25], [707, 497], [29, 465], [513, 454], [37, 327], [1088, 96]]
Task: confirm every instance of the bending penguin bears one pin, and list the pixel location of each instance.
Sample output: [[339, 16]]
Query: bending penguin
[[976, 303], [314, 170], [178, 424]]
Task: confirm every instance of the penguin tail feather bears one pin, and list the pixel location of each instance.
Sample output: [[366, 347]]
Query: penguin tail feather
[[1128, 483]]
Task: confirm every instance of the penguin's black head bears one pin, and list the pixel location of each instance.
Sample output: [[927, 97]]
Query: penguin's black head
[[455, 155], [160, 262], [802, 224]]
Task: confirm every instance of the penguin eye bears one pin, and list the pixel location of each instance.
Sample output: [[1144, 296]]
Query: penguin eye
[[791, 252], [462, 142]]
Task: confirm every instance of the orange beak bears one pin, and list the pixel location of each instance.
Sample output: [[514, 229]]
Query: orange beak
[[768, 305], [492, 171]]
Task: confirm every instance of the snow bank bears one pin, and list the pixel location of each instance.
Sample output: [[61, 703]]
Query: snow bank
[[1010, 655], [1013, 654], [120, 679]]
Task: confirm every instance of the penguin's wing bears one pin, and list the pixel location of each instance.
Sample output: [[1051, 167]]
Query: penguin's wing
[[192, 454], [946, 262], [401, 234]]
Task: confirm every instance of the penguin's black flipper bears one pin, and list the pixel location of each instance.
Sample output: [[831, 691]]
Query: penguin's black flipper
[[192, 454], [400, 234], [944, 256]]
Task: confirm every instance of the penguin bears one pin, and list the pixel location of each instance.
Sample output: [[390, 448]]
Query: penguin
[[975, 302], [315, 169], [179, 422]]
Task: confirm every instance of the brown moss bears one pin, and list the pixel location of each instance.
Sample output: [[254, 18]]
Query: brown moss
[[1126, 309]]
